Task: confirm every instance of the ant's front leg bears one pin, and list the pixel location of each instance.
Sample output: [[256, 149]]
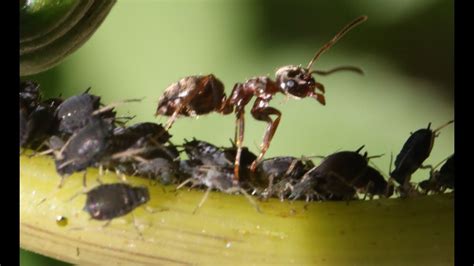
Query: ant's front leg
[[261, 112], [239, 139], [318, 96]]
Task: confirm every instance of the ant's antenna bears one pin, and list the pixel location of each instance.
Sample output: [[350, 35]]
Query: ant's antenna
[[336, 38]]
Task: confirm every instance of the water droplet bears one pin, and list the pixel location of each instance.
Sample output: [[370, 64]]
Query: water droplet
[[61, 221]]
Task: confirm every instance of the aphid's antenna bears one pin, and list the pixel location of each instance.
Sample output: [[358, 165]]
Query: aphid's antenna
[[115, 104], [375, 156], [336, 38], [444, 160], [378, 169], [443, 126]]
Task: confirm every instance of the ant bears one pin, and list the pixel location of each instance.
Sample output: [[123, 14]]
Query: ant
[[199, 95]]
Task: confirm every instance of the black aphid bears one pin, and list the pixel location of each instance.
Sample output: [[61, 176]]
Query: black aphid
[[206, 153], [333, 178], [109, 201], [415, 151], [75, 112], [440, 180], [275, 176], [85, 148], [372, 183], [213, 177], [37, 120]]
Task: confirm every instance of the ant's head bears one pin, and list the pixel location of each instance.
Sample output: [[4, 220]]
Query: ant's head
[[295, 81], [298, 81]]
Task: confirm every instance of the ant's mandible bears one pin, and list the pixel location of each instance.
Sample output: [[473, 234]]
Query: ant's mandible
[[199, 95]]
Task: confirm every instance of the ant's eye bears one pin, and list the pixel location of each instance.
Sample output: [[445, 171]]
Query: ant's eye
[[290, 83]]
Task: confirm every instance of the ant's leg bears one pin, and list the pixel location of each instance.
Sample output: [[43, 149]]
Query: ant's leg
[[240, 128], [318, 96], [263, 114]]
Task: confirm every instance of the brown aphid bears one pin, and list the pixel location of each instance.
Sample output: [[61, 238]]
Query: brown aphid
[[197, 95]]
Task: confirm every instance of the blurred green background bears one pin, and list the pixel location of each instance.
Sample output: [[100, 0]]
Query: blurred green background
[[406, 49]]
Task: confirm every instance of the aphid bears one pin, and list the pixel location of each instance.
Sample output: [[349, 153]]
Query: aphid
[[75, 112], [415, 151], [277, 175], [109, 201], [440, 180], [126, 137], [133, 150], [36, 125], [212, 177], [85, 148], [246, 159], [333, 178], [157, 169], [199, 95], [29, 94], [372, 183], [206, 153]]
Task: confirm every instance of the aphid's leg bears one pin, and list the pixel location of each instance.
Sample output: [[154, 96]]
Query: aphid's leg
[[367, 189], [75, 195], [240, 128], [101, 170], [41, 201], [189, 180], [204, 198], [84, 179], [263, 114], [106, 224], [61, 181], [429, 166], [389, 185], [121, 176], [269, 188], [250, 199], [35, 152], [153, 211], [136, 225]]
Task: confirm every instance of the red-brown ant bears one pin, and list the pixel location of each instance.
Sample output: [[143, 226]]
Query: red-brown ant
[[198, 95]]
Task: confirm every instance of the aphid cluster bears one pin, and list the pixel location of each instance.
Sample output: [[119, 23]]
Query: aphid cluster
[[82, 132]]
